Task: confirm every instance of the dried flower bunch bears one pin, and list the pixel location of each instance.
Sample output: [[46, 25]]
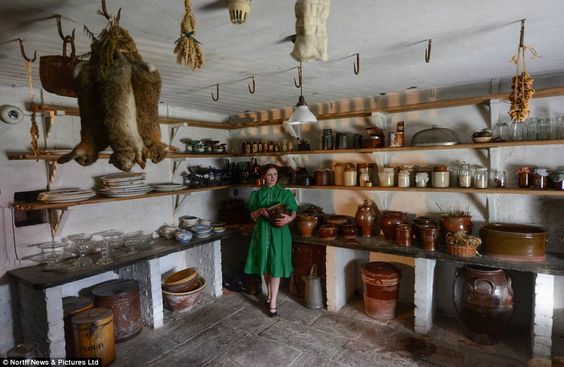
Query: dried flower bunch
[[522, 83], [461, 239], [455, 212], [187, 48]]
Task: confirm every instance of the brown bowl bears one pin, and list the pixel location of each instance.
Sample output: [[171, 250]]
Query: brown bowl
[[518, 242], [328, 232], [275, 212], [181, 281], [184, 301]]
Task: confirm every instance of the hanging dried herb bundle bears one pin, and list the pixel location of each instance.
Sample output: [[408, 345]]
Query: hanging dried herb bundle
[[187, 48], [522, 83], [34, 130]]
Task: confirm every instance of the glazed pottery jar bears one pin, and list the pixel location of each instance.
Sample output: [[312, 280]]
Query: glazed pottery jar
[[454, 223], [322, 177], [306, 225], [404, 235], [429, 235], [420, 221], [275, 212], [390, 219], [328, 232], [441, 176], [340, 173], [349, 231], [350, 176], [483, 299], [365, 219]]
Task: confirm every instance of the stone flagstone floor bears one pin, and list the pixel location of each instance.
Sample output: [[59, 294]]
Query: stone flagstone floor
[[235, 331]]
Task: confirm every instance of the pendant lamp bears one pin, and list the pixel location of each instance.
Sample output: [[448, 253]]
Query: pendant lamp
[[302, 114]]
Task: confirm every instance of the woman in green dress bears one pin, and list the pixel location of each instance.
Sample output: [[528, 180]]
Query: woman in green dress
[[270, 252]]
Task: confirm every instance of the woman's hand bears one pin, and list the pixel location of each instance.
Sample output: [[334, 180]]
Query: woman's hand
[[280, 222], [260, 211]]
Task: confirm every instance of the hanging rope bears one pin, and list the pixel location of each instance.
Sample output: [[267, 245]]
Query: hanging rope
[[187, 48], [34, 130], [522, 83]]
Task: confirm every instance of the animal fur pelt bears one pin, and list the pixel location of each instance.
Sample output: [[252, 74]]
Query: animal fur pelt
[[126, 96], [93, 137]]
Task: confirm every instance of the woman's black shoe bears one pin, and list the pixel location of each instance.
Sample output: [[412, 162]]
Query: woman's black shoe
[[272, 313]]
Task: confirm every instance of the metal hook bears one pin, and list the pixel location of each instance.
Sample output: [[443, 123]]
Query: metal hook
[[59, 27], [356, 65], [216, 98], [22, 50], [105, 10], [428, 51], [66, 39], [299, 84], [252, 91]]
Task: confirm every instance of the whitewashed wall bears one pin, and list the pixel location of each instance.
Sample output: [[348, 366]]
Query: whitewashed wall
[[545, 211], [17, 176]]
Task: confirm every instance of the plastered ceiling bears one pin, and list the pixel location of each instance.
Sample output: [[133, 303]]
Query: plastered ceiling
[[473, 41]]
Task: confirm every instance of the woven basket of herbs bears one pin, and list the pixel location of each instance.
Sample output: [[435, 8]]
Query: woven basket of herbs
[[461, 244]]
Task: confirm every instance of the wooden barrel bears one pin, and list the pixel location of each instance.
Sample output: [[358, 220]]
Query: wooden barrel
[[72, 306], [122, 297], [93, 335]]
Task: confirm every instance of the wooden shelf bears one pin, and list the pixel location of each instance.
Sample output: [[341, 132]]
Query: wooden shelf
[[461, 190], [53, 155], [98, 199]]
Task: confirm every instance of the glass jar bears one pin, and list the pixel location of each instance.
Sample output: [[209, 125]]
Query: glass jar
[[500, 178], [481, 178], [464, 175], [502, 131], [387, 177], [518, 131], [540, 178], [525, 177], [403, 178], [557, 178], [543, 128], [441, 176], [421, 179], [350, 176], [531, 125], [327, 139], [363, 174]]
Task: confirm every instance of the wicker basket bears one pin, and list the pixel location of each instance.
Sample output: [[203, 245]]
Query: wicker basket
[[462, 251], [55, 72]]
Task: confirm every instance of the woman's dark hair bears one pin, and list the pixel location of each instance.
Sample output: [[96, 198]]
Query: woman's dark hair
[[266, 167]]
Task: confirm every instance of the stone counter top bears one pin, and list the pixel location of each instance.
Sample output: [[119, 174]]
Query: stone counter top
[[36, 277], [553, 263]]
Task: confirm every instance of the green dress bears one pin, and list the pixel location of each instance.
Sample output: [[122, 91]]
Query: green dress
[[271, 247]]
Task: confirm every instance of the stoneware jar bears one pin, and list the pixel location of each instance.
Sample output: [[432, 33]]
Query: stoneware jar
[[306, 225], [429, 235], [390, 219], [328, 232], [322, 177], [404, 235], [365, 219], [418, 222], [349, 231], [453, 224]]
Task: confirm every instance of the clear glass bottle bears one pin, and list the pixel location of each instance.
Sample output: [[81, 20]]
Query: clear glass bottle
[[481, 178], [464, 175]]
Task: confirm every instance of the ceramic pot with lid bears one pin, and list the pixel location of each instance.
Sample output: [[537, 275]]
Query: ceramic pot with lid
[[434, 136], [365, 219]]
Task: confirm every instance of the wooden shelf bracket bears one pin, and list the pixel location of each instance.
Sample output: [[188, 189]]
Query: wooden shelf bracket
[[57, 220]]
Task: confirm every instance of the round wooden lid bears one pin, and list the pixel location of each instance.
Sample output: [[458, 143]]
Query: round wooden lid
[[118, 287], [97, 315], [72, 305]]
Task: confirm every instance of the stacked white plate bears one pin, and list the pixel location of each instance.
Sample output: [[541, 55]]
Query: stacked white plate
[[124, 184], [168, 187], [65, 195]]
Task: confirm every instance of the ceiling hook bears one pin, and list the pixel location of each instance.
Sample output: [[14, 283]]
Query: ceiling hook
[[252, 91], [428, 51], [522, 38], [60, 27], [216, 98], [66, 39], [299, 84], [356, 65], [22, 50]]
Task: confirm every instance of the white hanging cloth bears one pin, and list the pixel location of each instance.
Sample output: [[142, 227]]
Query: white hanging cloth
[[311, 30]]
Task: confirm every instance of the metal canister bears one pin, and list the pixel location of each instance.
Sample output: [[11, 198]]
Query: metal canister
[[122, 297], [93, 334], [72, 306]]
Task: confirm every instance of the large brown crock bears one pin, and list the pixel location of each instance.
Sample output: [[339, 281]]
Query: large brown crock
[[390, 219], [453, 224], [306, 225], [275, 212], [514, 241]]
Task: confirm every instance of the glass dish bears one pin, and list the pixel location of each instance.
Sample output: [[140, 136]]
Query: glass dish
[[81, 246]]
